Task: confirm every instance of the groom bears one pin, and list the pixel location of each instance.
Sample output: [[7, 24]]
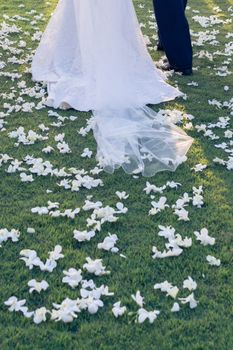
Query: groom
[[174, 35]]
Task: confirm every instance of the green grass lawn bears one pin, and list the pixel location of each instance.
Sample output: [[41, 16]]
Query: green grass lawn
[[210, 325]]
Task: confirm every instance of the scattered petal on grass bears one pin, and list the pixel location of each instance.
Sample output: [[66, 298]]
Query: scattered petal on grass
[[213, 261], [118, 310]]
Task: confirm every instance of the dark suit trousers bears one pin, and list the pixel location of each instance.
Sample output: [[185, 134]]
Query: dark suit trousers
[[174, 32]]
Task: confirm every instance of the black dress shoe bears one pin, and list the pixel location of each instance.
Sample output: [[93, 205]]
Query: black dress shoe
[[167, 67], [187, 71]]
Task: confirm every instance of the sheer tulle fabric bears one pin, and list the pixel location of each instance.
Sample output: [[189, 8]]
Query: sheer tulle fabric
[[93, 57], [139, 140]]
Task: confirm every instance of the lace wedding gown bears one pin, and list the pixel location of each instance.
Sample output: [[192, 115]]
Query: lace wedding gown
[[93, 57]]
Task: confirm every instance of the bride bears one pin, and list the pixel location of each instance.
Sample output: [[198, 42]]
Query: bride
[[93, 57]]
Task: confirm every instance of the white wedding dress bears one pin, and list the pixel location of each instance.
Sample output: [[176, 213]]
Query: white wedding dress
[[93, 57]]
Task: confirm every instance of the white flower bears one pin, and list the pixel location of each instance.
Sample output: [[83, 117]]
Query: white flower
[[40, 210], [95, 266], [73, 277], [37, 286], [198, 190], [121, 208], [167, 232], [105, 214], [173, 184], [49, 266], [213, 261], [204, 238], [182, 202], [82, 236], [93, 305], [18, 305], [118, 310], [228, 134], [91, 205], [158, 206], [56, 253], [94, 292], [199, 167], [53, 205], [193, 83], [15, 304], [175, 242], [63, 147], [182, 214], [198, 200], [65, 183], [172, 292], [55, 214], [40, 315], [30, 230], [230, 163], [71, 213], [175, 307], [168, 288], [26, 178], [6, 234], [144, 314], [96, 171], [109, 243], [185, 243], [201, 127], [190, 284], [30, 258], [86, 153], [197, 196], [59, 137], [175, 251], [152, 188], [122, 195], [47, 149], [191, 300], [43, 127], [2, 64], [66, 311], [188, 126], [138, 298]]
